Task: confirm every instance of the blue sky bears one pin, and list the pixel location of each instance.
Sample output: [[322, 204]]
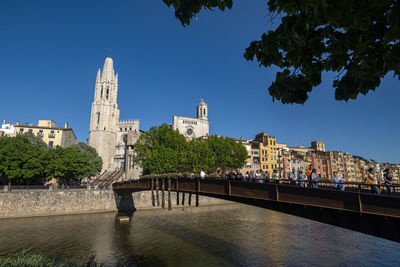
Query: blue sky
[[51, 51]]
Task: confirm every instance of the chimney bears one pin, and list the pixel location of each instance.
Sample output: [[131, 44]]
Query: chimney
[[66, 125]]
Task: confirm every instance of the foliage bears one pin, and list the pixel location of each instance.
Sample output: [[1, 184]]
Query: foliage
[[24, 158], [164, 150], [357, 40], [19, 158], [93, 161], [24, 259], [185, 10], [36, 141]]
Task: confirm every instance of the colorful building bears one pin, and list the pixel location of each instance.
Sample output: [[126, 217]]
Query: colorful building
[[268, 152], [50, 134]]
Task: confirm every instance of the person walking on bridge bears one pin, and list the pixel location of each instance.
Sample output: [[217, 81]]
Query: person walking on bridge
[[372, 181], [337, 181], [388, 177], [314, 179], [292, 177], [301, 179], [202, 174]]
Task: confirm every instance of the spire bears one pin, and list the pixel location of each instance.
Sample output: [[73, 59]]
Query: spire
[[98, 76], [116, 78], [202, 103], [108, 70]]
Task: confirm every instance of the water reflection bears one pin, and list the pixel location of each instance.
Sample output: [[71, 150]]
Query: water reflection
[[229, 235]]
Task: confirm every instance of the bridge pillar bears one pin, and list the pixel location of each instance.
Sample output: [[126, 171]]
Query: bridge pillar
[[124, 203]]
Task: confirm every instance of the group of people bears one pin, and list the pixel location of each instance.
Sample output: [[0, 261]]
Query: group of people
[[310, 178], [373, 181]]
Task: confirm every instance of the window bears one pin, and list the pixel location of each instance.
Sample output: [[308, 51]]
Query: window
[[21, 131], [272, 157], [126, 129], [120, 129], [51, 134], [204, 112], [51, 144], [130, 128], [30, 131], [98, 117], [108, 90], [101, 96]]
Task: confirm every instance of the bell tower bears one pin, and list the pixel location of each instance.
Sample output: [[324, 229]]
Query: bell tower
[[105, 115], [202, 110]]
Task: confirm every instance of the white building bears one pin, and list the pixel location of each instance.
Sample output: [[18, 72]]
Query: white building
[[112, 139], [7, 129], [193, 127]]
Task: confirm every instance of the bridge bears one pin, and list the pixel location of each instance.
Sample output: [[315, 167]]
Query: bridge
[[377, 215]]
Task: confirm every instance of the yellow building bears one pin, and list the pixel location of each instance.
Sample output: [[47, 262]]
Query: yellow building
[[46, 129], [268, 152]]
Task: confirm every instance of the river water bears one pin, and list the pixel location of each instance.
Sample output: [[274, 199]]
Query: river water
[[225, 235]]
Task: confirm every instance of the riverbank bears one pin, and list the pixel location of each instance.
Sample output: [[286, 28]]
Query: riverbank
[[33, 203]]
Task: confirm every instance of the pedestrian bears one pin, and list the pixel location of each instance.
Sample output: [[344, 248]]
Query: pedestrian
[[202, 174], [372, 181], [267, 177], [247, 176], [314, 179], [337, 181], [388, 177], [292, 177], [301, 179], [309, 171], [275, 176]]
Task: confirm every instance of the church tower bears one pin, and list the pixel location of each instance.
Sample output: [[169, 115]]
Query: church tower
[[105, 115], [202, 110]]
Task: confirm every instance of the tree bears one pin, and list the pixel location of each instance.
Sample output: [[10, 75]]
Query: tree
[[164, 150], [19, 159], [161, 150], [226, 153], [357, 40], [93, 162]]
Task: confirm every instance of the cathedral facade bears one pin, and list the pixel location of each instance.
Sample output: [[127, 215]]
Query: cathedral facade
[[193, 128], [113, 139]]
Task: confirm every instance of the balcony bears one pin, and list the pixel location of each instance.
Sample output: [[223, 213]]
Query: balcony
[[39, 134], [52, 135]]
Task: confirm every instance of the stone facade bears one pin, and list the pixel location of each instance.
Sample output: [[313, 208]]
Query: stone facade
[[45, 202], [193, 128], [107, 134]]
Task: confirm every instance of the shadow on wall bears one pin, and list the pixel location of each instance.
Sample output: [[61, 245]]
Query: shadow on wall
[[124, 204]]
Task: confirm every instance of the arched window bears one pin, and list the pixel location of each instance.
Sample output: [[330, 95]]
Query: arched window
[[101, 92], [204, 111], [98, 117], [107, 93]]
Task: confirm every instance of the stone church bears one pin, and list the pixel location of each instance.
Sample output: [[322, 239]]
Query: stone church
[[193, 128], [113, 139]]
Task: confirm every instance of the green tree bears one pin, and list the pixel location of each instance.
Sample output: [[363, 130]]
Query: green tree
[[36, 141], [164, 150], [19, 159], [226, 153], [161, 150], [93, 160], [357, 40]]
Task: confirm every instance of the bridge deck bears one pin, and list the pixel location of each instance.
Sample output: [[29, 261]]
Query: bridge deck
[[377, 215]]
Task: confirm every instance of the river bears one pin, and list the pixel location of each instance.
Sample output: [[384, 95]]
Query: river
[[225, 235]]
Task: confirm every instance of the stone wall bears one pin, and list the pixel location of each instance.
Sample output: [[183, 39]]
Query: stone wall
[[58, 202]]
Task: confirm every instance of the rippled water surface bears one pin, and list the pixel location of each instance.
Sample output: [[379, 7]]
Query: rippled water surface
[[228, 235]]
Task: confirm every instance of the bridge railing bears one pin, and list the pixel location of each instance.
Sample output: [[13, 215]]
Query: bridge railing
[[325, 184]]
